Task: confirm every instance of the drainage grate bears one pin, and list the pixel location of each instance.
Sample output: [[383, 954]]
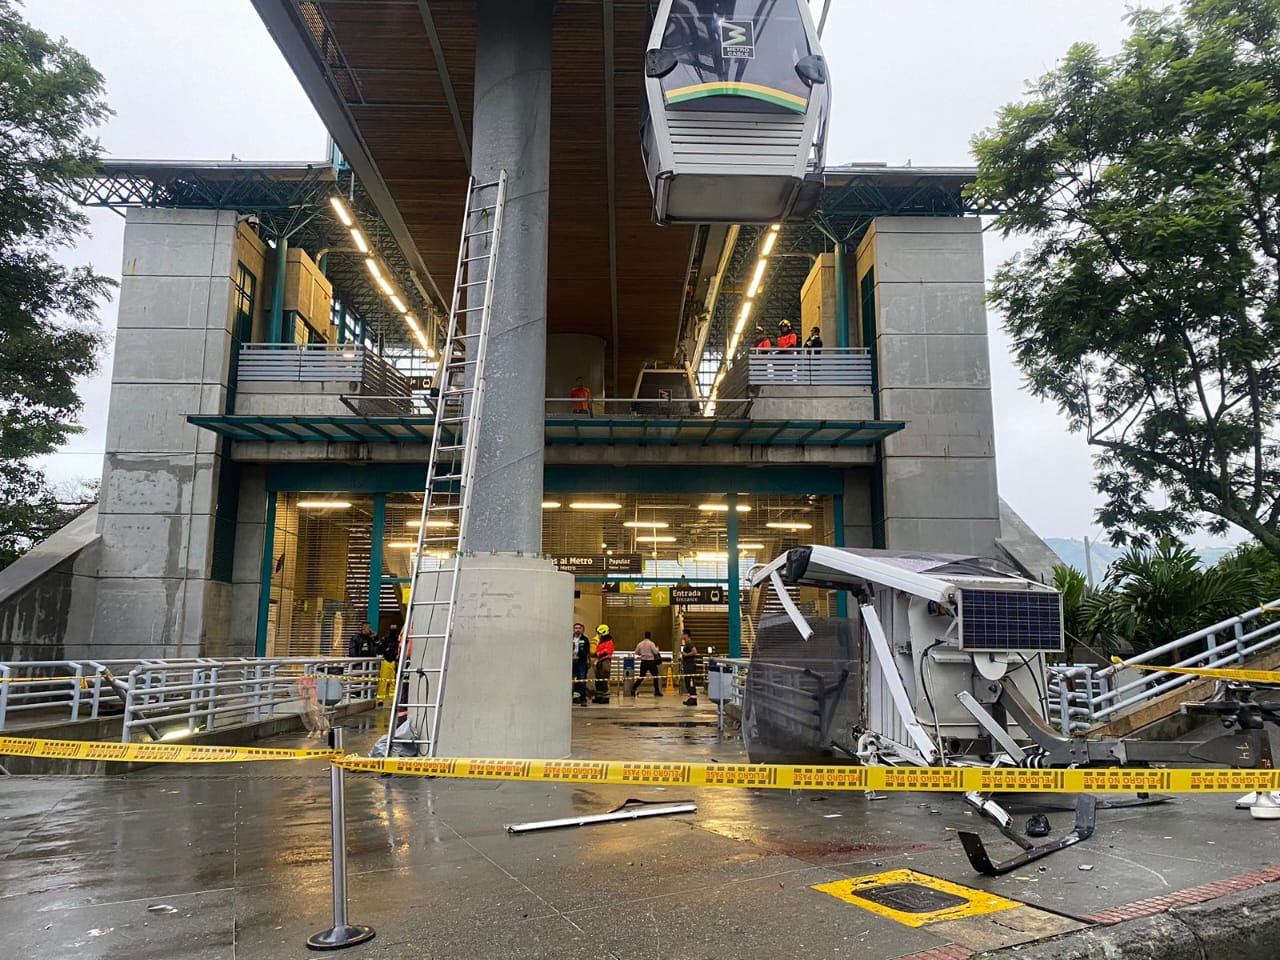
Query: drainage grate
[[910, 898]]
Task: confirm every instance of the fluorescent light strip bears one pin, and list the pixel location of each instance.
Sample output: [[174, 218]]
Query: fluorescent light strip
[[550, 504], [742, 317], [757, 277], [656, 539], [723, 507], [324, 504], [594, 505], [372, 264], [646, 525], [358, 239], [789, 526], [770, 239], [340, 209]]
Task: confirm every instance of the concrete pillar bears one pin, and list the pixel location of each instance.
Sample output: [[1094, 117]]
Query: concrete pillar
[[511, 124], [156, 595], [508, 681], [930, 325]]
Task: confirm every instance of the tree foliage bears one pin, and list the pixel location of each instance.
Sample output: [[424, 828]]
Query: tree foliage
[[1147, 305], [50, 98]]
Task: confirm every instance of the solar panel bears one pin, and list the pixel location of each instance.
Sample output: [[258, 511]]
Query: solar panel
[[997, 620]]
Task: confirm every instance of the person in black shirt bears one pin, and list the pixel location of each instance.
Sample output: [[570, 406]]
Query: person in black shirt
[[814, 340], [689, 667]]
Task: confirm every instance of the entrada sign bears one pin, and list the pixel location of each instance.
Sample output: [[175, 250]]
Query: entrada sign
[[699, 595]]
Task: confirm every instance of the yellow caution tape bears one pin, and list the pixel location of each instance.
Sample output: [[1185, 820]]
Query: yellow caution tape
[[150, 752], [780, 777], [656, 774], [1218, 673]]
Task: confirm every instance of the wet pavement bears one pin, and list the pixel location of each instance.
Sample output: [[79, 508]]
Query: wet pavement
[[233, 861]]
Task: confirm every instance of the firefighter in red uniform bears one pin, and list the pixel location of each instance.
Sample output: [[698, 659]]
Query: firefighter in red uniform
[[581, 396], [788, 339], [604, 663], [762, 339]]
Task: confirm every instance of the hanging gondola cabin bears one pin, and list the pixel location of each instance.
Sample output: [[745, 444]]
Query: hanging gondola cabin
[[736, 101]]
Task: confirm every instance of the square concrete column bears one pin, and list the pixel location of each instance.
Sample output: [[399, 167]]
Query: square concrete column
[[939, 473]]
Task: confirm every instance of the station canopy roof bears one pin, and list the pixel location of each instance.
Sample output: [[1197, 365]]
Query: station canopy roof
[[393, 82]]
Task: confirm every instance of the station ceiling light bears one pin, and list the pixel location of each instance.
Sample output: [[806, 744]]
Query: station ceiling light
[[340, 209], [770, 239], [658, 538], [403, 545], [550, 504], [723, 507], [324, 504], [750, 546], [397, 303], [788, 525], [646, 524], [594, 505], [757, 277], [372, 265], [431, 523], [358, 239]]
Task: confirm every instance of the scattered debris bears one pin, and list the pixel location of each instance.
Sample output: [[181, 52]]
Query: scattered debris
[[831, 816], [627, 810], [161, 908], [1085, 866], [100, 931]]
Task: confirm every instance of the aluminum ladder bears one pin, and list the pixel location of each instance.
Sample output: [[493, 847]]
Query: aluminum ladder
[[418, 698]]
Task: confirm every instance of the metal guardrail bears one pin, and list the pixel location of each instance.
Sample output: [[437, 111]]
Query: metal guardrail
[[650, 408], [1097, 694], [827, 367], [165, 697], [320, 363]]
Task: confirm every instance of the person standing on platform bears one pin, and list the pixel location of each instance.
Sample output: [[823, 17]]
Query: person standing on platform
[[689, 667], [814, 341], [581, 663], [788, 339], [604, 662], [762, 341], [390, 650], [581, 396], [364, 643], [650, 656]]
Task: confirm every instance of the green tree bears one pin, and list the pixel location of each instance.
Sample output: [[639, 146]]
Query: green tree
[[1153, 596], [1147, 304], [50, 97]]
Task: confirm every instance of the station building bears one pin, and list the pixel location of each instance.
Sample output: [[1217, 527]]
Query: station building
[[279, 326]]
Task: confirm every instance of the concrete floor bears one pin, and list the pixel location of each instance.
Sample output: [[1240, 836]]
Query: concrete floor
[[233, 862]]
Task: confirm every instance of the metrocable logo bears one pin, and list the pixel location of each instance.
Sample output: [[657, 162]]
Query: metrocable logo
[[737, 39]]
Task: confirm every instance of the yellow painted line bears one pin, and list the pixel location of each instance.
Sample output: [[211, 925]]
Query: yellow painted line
[[1218, 673], [150, 752], [735, 88], [855, 891]]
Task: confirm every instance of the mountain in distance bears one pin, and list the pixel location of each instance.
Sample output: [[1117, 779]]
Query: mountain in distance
[[1071, 552]]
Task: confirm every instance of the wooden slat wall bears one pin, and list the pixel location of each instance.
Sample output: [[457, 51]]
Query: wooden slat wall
[[405, 122]]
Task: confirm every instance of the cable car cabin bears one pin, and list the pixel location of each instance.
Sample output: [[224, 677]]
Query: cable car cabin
[[665, 392], [736, 102]]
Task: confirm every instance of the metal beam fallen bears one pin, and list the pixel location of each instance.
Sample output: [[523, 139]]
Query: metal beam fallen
[[627, 813]]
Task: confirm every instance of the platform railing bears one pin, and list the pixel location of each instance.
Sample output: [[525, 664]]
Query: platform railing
[[171, 697], [824, 367], [320, 363], [1097, 694]]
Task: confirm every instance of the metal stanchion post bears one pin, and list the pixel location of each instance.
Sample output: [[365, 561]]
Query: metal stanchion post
[[341, 934]]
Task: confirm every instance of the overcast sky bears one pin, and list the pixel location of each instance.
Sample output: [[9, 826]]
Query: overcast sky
[[200, 79]]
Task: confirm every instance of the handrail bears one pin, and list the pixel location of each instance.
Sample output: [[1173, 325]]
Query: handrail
[[1103, 698], [191, 693]]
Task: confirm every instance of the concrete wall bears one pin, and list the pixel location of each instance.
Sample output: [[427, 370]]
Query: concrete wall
[[931, 347], [818, 300], [160, 477]]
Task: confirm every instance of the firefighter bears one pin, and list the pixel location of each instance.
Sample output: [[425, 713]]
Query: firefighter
[[788, 339], [604, 662], [762, 339]]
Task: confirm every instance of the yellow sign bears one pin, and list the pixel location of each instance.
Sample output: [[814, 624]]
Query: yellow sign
[[627, 587], [660, 597], [915, 899]]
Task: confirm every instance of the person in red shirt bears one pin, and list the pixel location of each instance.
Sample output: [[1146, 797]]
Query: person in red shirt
[[788, 339], [581, 395], [762, 340]]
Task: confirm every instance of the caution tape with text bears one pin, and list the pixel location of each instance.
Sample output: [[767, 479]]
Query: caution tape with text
[[656, 774], [1216, 673]]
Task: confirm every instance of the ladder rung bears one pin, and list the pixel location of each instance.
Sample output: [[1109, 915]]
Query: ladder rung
[[487, 185], [474, 283], [483, 256], [479, 233]]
